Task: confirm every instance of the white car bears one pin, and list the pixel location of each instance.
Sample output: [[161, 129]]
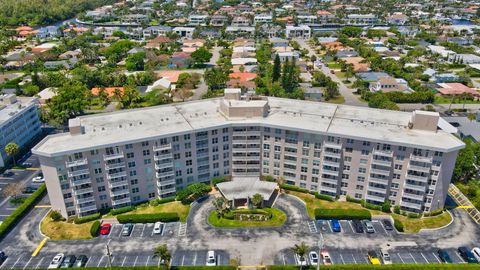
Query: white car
[[300, 260], [38, 179], [385, 257], [313, 256], [158, 228], [57, 261], [476, 253], [327, 260], [211, 260]]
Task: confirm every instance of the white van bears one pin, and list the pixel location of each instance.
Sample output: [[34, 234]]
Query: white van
[[476, 253], [211, 260]]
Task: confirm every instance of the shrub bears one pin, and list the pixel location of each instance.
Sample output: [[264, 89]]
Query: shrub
[[413, 215], [157, 201], [218, 180], [433, 213], [268, 178], [229, 215], [398, 225], [321, 213], [293, 188], [371, 206], [148, 218], [95, 227], [56, 216], [16, 215], [193, 192], [350, 199], [122, 210], [386, 207], [396, 209], [323, 197], [85, 219]]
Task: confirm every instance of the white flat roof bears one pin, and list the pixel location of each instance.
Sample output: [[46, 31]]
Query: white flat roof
[[246, 187], [129, 126]]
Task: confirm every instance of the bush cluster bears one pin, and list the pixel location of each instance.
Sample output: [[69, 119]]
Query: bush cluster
[[218, 180], [22, 210], [85, 219], [324, 197], [350, 199], [433, 213], [342, 214], [293, 188], [193, 192], [94, 229], [157, 201], [398, 225], [148, 218], [122, 210]]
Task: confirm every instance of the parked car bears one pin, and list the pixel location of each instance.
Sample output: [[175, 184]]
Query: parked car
[[127, 229], [387, 224], [313, 256], [444, 257], [29, 190], [158, 227], [81, 261], [385, 257], [332, 71], [467, 255], [56, 261], [300, 260], [38, 179], [357, 226], [68, 261], [476, 253], [327, 260], [211, 260], [3, 257], [369, 226], [105, 229], [373, 258], [335, 225]]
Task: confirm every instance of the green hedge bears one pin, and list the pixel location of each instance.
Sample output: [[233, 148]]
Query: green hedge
[[321, 213], [432, 266], [433, 213], [202, 268], [94, 229], [371, 206], [85, 219], [22, 210], [122, 210], [350, 199], [324, 197], [293, 188], [218, 180], [398, 225], [148, 218]]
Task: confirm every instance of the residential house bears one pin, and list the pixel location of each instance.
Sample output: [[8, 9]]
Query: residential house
[[111, 91], [197, 20], [155, 31], [279, 42], [290, 56], [325, 17], [50, 31], [307, 19], [446, 77], [346, 53], [271, 30], [184, 32], [218, 20], [44, 47], [462, 41], [389, 84], [244, 85], [262, 18], [442, 51], [397, 19], [157, 42], [181, 60], [240, 21], [75, 31], [371, 76], [359, 64], [449, 89], [464, 58], [361, 19], [240, 30], [66, 64], [301, 31], [466, 128], [134, 19], [46, 95]]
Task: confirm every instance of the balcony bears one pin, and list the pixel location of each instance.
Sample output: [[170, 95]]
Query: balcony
[[163, 157], [247, 133], [74, 163], [118, 184], [87, 208], [120, 192], [332, 155], [328, 189], [166, 191], [330, 181], [383, 153], [113, 156], [375, 198], [245, 158], [80, 182], [411, 205], [333, 146], [377, 189], [331, 163], [162, 147], [421, 158], [117, 175], [418, 178], [163, 165], [121, 201], [115, 166], [418, 168], [415, 187], [381, 172], [165, 174], [330, 172], [166, 183], [83, 191], [78, 173], [85, 200], [382, 162], [412, 196]]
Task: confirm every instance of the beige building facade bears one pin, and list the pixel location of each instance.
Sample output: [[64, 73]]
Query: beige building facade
[[127, 157]]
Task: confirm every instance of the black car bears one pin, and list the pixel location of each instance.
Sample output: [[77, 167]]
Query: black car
[[3, 257], [467, 255], [357, 225], [68, 261], [81, 261], [29, 190], [387, 224], [127, 229], [444, 257]]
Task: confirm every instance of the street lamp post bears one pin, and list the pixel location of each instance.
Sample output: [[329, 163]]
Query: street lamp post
[[109, 257], [320, 243]]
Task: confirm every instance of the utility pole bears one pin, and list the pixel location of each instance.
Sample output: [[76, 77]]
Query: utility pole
[[320, 243], [109, 257]]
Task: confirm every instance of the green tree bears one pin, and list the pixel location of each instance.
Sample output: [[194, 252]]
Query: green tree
[[56, 216], [351, 31], [277, 67], [31, 90], [201, 55], [164, 255], [222, 205], [301, 251], [215, 78], [12, 149], [465, 165], [257, 200], [135, 62], [130, 97], [70, 100]]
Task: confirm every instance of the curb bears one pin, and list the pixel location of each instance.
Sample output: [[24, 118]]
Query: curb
[[443, 227]]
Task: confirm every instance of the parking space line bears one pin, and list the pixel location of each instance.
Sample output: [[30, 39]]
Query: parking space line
[[351, 226], [341, 258], [354, 259], [284, 262], [100, 261], [148, 259], [135, 263], [415, 261], [89, 260], [195, 259], [28, 263], [423, 256], [183, 260], [38, 264], [13, 266], [399, 256], [383, 228], [124, 260], [434, 255], [143, 229], [113, 259], [120, 234]]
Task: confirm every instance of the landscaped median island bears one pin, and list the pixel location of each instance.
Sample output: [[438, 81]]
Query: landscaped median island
[[321, 207], [265, 217]]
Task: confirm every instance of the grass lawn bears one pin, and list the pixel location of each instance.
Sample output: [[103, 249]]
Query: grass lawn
[[446, 100], [338, 100], [176, 207], [278, 219], [61, 230], [411, 225], [333, 65]]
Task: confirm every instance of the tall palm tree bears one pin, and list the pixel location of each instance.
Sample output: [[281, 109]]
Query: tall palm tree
[[12, 150], [163, 254], [301, 250]]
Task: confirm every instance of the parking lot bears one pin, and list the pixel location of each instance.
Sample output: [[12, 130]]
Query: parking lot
[[347, 227], [198, 257], [398, 256], [144, 230]]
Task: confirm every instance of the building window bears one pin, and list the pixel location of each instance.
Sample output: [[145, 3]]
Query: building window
[[147, 161], [146, 152]]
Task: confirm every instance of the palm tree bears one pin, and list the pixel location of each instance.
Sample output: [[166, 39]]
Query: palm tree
[[163, 254], [221, 204], [301, 250], [12, 150], [257, 200]]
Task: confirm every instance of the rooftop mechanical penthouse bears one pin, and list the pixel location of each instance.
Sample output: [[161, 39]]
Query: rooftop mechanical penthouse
[[122, 158]]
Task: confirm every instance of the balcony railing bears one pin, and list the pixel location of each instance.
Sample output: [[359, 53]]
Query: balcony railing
[[78, 173], [115, 166], [85, 200], [117, 175], [382, 162], [78, 162], [83, 191], [162, 157], [331, 163], [328, 189], [80, 182], [163, 165], [166, 183], [375, 198], [162, 147], [423, 179], [411, 205], [118, 184], [331, 154], [418, 168], [377, 189], [120, 192], [113, 156], [166, 191], [121, 201], [421, 158], [87, 208], [415, 187], [330, 181], [413, 196], [164, 174], [332, 145], [330, 172], [385, 153], [381, 172]]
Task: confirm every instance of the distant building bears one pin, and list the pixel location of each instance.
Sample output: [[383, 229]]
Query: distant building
[[448, 89], [194, 20], [361, 19], [156, 30], [397, 19], [301, 31], [184, 32], [389, 84]]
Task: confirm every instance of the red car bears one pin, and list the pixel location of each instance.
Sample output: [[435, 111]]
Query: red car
[[105, 229]]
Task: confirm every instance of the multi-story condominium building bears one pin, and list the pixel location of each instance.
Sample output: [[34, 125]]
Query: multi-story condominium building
[[361, 19], [126, 157], [301, 31], [19, 122]]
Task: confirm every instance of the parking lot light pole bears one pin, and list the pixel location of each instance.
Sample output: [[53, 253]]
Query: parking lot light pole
[[109, 257], [320, 242]]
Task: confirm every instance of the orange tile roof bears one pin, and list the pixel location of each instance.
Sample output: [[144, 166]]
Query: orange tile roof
[[171, 75], [243, 76], [23, 28], [109, 90], [323, 12]]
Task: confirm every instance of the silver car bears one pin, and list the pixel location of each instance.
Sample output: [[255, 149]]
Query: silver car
[[369, 226]]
